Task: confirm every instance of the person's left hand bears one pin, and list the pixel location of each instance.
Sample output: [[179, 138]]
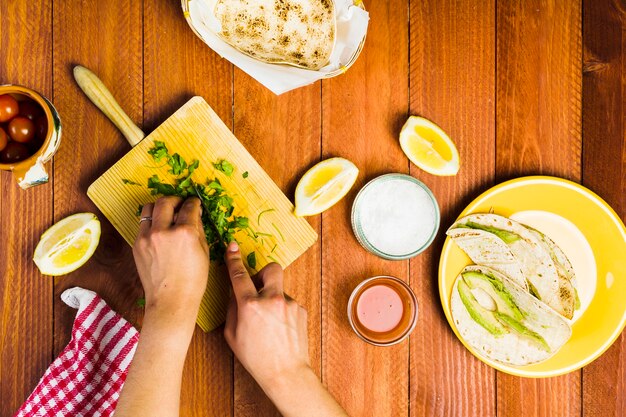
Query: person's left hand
[[172, 257]]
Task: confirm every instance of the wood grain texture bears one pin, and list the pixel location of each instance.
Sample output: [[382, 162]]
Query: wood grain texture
[[177, 66], [90, 143], [25, 295], [452, 80], [363, 111], [283, 133], [604, 169], [538, 131], [538, 96]]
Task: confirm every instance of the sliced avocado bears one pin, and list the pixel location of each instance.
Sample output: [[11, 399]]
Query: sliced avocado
[[480, 315], [577, 300], [506, 236], [494, 287], [533, 291], [522, 330]]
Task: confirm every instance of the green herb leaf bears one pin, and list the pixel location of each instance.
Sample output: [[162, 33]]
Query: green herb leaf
[[177, 164], [159, 151], [252, 260], [129, 182], [258, 219], [141, 302], [225, 167], [220, 225], [245, 174]]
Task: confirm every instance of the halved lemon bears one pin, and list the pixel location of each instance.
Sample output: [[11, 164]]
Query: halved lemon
[[68, 244], [428, 147], [324, 185]]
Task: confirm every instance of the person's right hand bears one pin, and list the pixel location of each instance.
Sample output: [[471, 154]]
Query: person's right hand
[[266, 331], [172, 257]]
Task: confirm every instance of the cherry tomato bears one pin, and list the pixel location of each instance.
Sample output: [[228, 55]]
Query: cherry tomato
[[3, 139], [41, 127], [14, 152], [8, 108], [21, 129], [34, 145], [30, 109]]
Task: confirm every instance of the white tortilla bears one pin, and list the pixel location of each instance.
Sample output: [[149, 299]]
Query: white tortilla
[[531, 254], [487, 249], [295, 32], [511, 348]]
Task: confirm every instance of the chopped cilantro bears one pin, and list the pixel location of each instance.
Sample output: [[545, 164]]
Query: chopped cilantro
[[158, 151], [279, 232], [245, 174], [225, 167], [258, 219], [130, 182], [220, 224], [252, 260]]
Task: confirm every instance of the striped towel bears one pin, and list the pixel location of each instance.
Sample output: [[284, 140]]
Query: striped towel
[[87, 377]]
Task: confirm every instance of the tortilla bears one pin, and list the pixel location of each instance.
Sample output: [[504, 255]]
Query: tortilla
[[295, 32], [527, 256], [511, 348]]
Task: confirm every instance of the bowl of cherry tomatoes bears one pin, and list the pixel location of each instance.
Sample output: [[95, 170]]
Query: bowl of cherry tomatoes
[[30, 134]]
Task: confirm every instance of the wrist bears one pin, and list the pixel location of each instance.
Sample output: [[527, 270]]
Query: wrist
[[168, 324], [285, 384]]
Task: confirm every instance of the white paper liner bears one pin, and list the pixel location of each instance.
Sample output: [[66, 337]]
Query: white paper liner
[[352, 24]]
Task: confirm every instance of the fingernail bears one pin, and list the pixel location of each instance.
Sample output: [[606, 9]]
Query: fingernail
[[233, 247]]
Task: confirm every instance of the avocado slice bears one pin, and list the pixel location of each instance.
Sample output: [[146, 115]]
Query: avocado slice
[[506, 236], [494, 287], [523, 331], [533, 291], [577, 300], [480, 315]]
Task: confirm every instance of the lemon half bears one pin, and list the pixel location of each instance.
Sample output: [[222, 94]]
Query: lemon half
[[428, 147], [68, 244], [324, 185]]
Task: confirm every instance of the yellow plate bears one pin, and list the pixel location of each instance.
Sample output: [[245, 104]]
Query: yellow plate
[[603, 320]]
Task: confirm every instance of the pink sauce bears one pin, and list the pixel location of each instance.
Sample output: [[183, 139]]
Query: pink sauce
[[379, 308]]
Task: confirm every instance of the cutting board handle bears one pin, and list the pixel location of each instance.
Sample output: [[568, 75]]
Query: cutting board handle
[[102, 97]]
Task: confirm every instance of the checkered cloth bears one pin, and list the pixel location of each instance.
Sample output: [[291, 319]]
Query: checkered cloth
[[87, 377]]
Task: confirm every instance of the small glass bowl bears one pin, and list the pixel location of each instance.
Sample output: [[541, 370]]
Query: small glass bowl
[[409, 315], [358, 229]]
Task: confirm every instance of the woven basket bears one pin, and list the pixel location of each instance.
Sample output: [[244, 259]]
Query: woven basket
[[339, 71]]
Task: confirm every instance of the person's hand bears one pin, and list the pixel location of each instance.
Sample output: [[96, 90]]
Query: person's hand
[[172, 257], [266, 331]]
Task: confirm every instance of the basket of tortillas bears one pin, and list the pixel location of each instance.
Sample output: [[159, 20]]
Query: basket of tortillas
[[283, 44]]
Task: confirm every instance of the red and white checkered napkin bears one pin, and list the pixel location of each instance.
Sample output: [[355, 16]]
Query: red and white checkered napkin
[[87, 377]]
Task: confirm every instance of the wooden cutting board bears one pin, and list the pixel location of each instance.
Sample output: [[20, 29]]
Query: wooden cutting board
[[196, 132]]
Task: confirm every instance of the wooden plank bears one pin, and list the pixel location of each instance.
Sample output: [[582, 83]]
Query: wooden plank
[[177, 66], [452, 65], [538, 119], [604, 169], [363, 111], [285, 140], [25, 296], [91, 143]]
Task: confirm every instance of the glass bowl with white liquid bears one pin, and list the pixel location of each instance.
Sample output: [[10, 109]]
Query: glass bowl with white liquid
[[395, 216]]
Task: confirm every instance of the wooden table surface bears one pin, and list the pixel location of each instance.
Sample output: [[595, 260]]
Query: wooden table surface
[[522, 87]]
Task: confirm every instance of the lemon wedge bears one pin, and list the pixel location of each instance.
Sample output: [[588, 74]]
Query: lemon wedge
[[68, 244], [428, 147], [324, 185]]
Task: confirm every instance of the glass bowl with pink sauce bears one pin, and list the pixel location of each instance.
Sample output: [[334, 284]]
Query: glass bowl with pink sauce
[[382, 310]]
